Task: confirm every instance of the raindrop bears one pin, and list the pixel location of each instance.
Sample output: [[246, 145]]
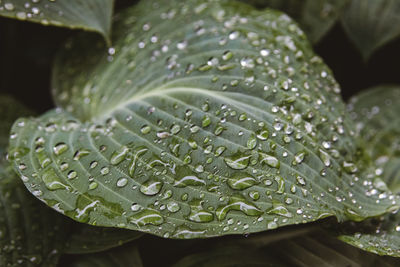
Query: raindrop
[[263, 134], [122, 182], [145, 129], [240, 181], [9, 6], [173, 206], [72, 175], [238, 203], [234, 35], [151, 187], [146, 217], [247, 62], [135, 207], [60, 148], [189, 180], [104, 170], [269, 160], [252, 142], [182, 45], [350, 167], [281, 185], [238, 161], [119, 155]]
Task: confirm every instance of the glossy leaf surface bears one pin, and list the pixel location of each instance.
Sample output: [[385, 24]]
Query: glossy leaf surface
[[205, 119]]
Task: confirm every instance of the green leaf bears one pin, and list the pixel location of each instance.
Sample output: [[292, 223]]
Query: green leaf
[[315, 17], [31, 234], [120, 257], [228, 256], [317, 248], [229, 125], [10, 110], [320, 16], [292, 7], [370, 24], [376, 112], [90, 239], [90, 15], [321, 249]]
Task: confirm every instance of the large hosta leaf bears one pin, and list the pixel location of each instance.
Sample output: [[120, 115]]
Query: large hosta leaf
[[315, 17], [91, 15], [377, 113], [206, 118], [372, 23], [31, 234], [90, 239]]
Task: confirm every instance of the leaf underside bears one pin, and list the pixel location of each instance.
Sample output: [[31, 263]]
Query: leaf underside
[[317, 248], [321, 249], [118, 257], [376, 112], [91, 15], [229, 256], [89, 239], [206, 118], [316, 18], [370, 24]]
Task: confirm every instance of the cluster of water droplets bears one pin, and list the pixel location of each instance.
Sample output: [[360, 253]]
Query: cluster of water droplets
[[257, 140], [31, 9]]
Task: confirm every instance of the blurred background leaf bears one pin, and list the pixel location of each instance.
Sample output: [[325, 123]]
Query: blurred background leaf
[[90, 15], [370, 24]]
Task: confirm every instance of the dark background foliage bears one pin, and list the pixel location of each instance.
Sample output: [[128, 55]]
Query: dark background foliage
[[27, 50]]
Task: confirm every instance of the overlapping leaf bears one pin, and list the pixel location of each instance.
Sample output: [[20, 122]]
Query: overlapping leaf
[[372, 23], [89, 239], [320, 16], [92, 15], [227, 255], [31, 234], [317, 248], [10, 110], [206, 118], [315, 17], [120, 257], [321, 249], [377, 113]]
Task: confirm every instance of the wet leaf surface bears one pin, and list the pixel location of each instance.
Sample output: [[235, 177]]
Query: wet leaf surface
[[229, 125]]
